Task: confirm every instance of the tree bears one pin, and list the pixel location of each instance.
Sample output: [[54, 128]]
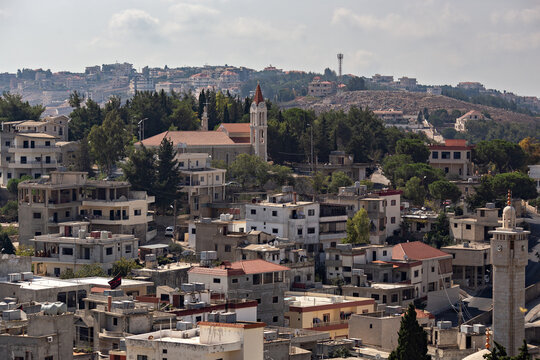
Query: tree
[[83, 160], [412, 339], [341, 352], [249, 170], [499, 353], [415, 148], [25, 251], [338, 179], [108, 141], [531, 147], [10, 210], [444, 189], [391, 164], [358, 228], [282, 175], [318, 182], [183, 117], [124, 266], [140, 169], [88, 270], [521, 185], [415, 191], [167, 174], [13, 184], [501, 155], [12, 108], [6, 246], [440, 234]]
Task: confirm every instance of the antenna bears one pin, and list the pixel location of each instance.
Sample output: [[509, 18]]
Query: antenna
[[340, 63]]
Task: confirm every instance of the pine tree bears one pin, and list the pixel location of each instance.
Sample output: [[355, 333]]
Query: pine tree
[[226, 114], [412, 341], [202, 102], [140, 170], [168, 175]]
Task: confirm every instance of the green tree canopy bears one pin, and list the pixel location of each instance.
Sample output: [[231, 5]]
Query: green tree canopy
[[415, 148], [501, 155], [412, 339], [499, 353], [167, 174], [124, 266], [337, 180], [358, 228], [444, 189], [391, 164], [495, 189], [140, 169], [6, 246], [249, 171], [88, 270], [440, 234], [12, 108], [415, 191], [13, 184]]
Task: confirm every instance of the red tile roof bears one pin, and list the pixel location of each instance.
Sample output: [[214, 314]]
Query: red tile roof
[[235, 128], [416, 250], [241, 268], [258, 98], [192, 138]]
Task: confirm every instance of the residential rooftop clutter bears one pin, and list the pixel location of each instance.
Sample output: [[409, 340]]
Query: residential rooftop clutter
[[71, 196], [74, 247]]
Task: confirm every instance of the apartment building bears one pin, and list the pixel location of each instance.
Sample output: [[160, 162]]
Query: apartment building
[[324, 312], [37, 335], [253, 279], [475, 228], [203, 184], [471, 264], [462, 120], [73, 247], [391, 117], [210, 340], [281, 215], [71, 196], [454, 158], [321, 88], [32, 147]]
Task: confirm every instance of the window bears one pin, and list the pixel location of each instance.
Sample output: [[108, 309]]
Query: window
[[445, 155], [37, 215], [216, 280], [193, 231], [216, 196], [47, 159], [47, 143], [311, 212], [253, 212], [468, 226], [311, 230], [215, 247], [227, 248], [384, 253], [393, 202], [217, 177], [299, 231], [455, 225], [393, 220], [415, 273], [108, 251], [274, 231], [128, 249], [274, 213], [37, 233], [394, 298], [164, 351], [375, 296], [8, 174], [433, 269], [8, 143], [49, 357], [198, 318], [137, 212], [68, 214], [256, 279], [435, 155], [275, 319], [142, 357], [96, 213], [446, 170], [468, 155], [258, 301], [115, 321], [254, 228], [370, 326], [234, 281], [67, 251], [457, 155], [23, 159]]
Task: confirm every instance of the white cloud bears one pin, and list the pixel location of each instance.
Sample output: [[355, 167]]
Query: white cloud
[[248, 27], [133, 20], [361, 59], [527, 16], [512, 41], [184, 12]]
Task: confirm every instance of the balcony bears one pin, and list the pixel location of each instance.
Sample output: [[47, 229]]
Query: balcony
[[35, 150], [32, 164]]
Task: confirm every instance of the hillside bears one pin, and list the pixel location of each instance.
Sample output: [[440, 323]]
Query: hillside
[[409, 102]]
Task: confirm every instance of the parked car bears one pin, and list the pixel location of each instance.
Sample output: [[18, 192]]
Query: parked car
[[169, 231]]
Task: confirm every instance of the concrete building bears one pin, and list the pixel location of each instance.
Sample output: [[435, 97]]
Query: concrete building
[[337, 161], [509, 256], [71, 196], [254, 279], [470, 85], [36, 336], [454, 158], [475, 229], [173, 275], [320, 88], [471, 264], [30, 147], [74, 247], [419, 222], [380, 329], [461, 121], [391, 117], [534, 173], [140, 84], [218, 144], [203, 184], [283, 216], [323, 312], [211, 340]]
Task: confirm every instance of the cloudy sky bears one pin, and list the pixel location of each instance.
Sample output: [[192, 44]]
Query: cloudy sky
[[496, 42]]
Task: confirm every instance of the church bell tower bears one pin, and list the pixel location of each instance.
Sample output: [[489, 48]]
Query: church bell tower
[[258, 128], [509, 257]]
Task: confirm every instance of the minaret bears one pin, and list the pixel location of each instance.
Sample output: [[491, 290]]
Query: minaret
[[509, 258], [258, 125], [204, 119]]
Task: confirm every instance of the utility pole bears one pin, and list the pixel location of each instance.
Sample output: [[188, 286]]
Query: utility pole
[[141, 129], [174, 214]]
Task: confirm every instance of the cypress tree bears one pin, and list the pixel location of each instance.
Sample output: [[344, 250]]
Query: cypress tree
[[412, 341], [168, 175]]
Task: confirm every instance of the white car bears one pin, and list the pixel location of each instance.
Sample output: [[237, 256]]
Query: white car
[[169, 231]]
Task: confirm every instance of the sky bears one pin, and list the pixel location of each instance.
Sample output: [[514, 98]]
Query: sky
[[495, 42]]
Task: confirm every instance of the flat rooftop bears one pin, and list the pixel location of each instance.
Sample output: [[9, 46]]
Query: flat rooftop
[[313, 300], [471, 246]]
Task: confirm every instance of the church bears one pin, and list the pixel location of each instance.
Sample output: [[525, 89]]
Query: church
[[228, 141]]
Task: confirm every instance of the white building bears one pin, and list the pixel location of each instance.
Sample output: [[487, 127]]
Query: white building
[[462, 120], [211, 340], [321, 88], [74, 247], [285, 217], [534, 173]]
